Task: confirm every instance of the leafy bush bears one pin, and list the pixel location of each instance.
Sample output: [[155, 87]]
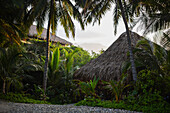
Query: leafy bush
[[63, 96], [148, 80], [117, 87], [61, 75], [23, 98], [151, 81], [145, 104], [88, 88], [145, 97], [81, 57], [39, 92], [165, 92], [101, 103]]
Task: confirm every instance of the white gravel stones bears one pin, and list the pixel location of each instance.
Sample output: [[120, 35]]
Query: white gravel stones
[[9, 107]]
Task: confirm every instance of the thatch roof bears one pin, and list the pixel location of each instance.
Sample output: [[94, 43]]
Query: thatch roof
[[53, 38], [108, 65]]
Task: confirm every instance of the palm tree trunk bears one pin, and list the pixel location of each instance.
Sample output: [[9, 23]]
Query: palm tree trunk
[[47, 53], [4, 84], [134, 73]]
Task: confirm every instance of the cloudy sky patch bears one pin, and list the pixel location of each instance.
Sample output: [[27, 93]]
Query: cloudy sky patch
[[95, 37]]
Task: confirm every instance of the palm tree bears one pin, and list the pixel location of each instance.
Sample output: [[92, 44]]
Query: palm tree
[[134, 73], [9, 32], [8, 70], [153, 15], [13, 62], [150, 56], [93, 11], [57, 11], [155, 21], [15, 19]]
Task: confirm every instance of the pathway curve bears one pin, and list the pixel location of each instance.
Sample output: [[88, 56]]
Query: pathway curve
[[10, 107]]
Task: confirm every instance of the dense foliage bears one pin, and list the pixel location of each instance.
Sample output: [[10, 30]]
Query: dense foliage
[[130, 103], [22, 64], [21, 98], [22, 70]]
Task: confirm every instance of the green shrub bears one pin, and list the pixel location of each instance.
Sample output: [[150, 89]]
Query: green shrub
[[22, 98], [102, 103], [63, 95], [152, 81], [117, 87], [149, 103], [148, 81], [88, 88]]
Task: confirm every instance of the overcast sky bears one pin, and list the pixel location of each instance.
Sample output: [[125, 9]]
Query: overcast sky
[[95, 37]]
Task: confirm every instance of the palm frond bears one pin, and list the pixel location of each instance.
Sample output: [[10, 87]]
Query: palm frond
[[165, 39], [93, 10], [54, 18], [153, 14], [10, 31], [116, 17], [55, 59], [41, 20], [76, 13]]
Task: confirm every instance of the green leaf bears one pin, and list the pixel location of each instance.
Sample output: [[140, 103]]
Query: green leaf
[[55, 59]]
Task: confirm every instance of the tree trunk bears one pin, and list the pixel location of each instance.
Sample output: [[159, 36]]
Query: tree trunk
[[134, 73], [4, 84], [47, 53]]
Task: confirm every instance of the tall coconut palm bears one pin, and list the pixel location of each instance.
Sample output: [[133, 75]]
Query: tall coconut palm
[[57, 11], [134, 73], [95, 9], [154, 14]]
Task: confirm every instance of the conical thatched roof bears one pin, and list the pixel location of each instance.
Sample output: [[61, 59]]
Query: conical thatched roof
[[108, 65], [33, 32]]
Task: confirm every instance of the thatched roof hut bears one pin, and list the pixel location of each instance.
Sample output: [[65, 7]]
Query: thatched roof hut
[[33, 33], [108, 65]]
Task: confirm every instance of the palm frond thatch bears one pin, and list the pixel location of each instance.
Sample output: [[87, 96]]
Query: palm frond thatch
[[54, 38], [108, 65]]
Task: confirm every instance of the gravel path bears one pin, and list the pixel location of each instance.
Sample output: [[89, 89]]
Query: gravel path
[[10, 107]]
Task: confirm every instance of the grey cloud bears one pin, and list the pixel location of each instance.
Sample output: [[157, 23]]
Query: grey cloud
[[93, 46], [89, 34]]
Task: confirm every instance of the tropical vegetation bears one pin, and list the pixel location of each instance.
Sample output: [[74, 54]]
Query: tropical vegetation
[[40, 72]]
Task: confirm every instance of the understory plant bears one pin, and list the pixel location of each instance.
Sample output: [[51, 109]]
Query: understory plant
[[60, 75], [54, 77], [150, 102], [88, 88], [147, 93], [117, 87], [14, 62], [38, 92], [151, 81], [131, 103], [21, 98]]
